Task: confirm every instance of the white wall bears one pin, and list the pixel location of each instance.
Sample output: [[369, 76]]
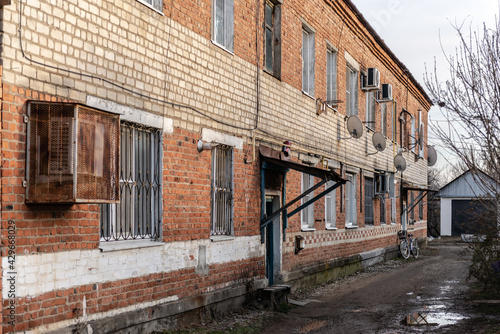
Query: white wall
[[446, 216]]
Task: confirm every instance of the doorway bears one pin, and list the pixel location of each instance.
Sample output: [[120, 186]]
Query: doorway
[[273, 242]]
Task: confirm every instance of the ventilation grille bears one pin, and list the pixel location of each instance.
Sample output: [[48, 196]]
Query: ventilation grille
[[72, 154]]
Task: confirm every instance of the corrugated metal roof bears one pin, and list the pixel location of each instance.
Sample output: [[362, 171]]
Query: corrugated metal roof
[[469, 185]]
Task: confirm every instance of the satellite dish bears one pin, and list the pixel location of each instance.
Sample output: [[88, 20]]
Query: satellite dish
[[400, 163], [431, 156], [354, 126], [378, 141]]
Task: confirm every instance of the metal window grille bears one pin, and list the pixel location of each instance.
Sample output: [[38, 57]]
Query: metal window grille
[[222, 190], [139, 213]]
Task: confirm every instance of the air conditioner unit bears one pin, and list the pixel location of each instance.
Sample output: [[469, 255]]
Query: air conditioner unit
[[72, 154], [385, 94], [371, 80]]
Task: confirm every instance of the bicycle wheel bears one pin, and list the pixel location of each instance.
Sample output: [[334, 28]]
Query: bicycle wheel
[[414, 248], [403, 249]]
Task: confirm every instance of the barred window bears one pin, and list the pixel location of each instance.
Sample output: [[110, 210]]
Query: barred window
[[222, 190], [139, 213]]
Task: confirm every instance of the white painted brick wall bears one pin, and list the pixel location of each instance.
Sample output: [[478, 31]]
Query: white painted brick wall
[[40, 273]]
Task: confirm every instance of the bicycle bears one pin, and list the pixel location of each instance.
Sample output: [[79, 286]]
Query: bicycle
[[404, 248]]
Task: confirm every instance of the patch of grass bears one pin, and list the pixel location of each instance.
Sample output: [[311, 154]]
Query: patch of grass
[[220, 326]]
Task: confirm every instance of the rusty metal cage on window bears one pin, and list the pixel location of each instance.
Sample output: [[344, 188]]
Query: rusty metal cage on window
[[72, 154], [222, 190], [139, 213]]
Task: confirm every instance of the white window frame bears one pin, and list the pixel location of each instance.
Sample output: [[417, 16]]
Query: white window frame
[[351, 91], [307, 214], [330, 207], [351, 211], [156, 5], [308, 60], [223, 37], [331, 75]]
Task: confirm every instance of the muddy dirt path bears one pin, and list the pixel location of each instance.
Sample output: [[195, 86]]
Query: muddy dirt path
[[378, 300]]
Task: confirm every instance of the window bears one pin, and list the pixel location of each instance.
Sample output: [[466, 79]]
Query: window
[[223, 23], [308, 61], [351, 91], [369, 193], [155, 4], [222, 190], [370, 110], [412, 202], [421, 208], [330, 207], [272, 42], [350, 199], [383, 119], [331, 76], [382, 209], [307, 214], [139, 213]]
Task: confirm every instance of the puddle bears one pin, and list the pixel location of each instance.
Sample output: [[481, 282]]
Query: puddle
[[433, 318], [435, 307], [444, 319]]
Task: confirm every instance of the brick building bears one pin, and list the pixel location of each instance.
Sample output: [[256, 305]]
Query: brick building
[[156, 156]]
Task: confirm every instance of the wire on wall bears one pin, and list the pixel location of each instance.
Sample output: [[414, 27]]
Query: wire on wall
[[109, 82]]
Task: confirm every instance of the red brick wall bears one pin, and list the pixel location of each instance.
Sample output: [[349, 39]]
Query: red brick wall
[[66, 304], [186, 216]]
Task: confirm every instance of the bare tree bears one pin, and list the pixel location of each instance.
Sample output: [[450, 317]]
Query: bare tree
[[470, 102]]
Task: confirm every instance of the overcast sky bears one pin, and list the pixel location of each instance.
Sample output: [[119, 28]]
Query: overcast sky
[[417, 31]]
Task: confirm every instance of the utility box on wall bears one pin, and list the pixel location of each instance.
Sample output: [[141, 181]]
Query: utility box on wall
[[72, 154]]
